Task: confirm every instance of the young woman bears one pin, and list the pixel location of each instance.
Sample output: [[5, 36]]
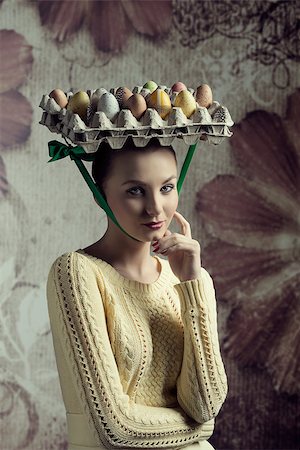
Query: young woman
[[135, 335]]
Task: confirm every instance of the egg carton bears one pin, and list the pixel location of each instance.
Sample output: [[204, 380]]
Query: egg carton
[[211, 125]]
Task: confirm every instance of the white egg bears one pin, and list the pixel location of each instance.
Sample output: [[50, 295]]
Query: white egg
[[109, 105]]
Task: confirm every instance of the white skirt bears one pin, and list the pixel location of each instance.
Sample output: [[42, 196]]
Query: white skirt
[[78, 431], [201, 445]]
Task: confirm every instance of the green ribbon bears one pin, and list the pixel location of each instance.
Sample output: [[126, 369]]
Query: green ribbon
[[185, 166], [58, 150]]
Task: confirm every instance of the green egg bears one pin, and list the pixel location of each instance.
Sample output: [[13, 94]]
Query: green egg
[[151, 85]]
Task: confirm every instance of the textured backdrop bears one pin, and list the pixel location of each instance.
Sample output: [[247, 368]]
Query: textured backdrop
[[241, 197]]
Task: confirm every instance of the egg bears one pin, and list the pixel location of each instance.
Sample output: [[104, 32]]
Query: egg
[[160, 101], [122, 95], [60, 97], [177, 87], [204, 96], [151, 85], [96, 96], [137, 105], [186, 102], [79, 104], [109, 105]]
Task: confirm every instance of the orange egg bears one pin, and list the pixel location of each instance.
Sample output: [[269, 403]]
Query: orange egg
[[137, 105], [60, 97], [204, 96], [160, 101]]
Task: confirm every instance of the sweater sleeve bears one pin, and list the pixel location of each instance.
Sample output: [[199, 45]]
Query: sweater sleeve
[[202, 383], [74, 294]]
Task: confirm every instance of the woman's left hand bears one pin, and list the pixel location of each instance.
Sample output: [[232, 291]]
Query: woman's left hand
[[182, 251]]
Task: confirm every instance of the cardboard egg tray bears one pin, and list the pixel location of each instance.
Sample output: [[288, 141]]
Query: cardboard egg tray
[[211, 125]]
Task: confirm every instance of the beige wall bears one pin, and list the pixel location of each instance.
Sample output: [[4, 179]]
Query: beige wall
[[46, 209]]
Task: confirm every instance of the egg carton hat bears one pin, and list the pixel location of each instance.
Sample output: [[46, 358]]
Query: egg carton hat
[[88, 118]]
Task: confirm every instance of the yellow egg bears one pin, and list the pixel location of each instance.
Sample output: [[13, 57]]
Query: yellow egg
[[79, 104], [186, 102], [160, 101], [60, 97], [137, 105], [204, 96]]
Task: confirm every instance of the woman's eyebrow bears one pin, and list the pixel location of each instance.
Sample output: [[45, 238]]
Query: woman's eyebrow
[[141, 182]]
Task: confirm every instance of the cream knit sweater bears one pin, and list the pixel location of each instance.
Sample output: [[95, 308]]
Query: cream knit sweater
[[139, 364]]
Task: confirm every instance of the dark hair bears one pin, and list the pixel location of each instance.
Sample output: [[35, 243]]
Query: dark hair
[[105, 155]]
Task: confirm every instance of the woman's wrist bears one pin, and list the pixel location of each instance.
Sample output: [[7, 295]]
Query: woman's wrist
[[192, 276]]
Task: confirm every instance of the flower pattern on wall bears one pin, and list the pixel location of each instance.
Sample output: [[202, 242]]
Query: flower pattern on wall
[[270, 30], [15, 110], [110, 22], [255, 256]]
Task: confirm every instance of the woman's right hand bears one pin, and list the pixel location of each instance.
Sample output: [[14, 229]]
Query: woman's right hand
[[182, 250]]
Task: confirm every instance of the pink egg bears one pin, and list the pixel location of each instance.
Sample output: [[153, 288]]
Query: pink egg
[[204, 96], [178, 87], [60, 97]]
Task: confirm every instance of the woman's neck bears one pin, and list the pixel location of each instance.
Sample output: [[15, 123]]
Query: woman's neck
[[124, 253]]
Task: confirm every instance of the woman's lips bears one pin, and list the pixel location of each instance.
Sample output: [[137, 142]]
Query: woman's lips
[[154, 226]]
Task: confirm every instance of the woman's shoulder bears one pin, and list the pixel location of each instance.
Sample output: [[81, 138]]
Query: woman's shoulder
[[70, 262]]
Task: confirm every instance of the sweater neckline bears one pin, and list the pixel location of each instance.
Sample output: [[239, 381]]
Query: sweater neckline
[[116, 277]]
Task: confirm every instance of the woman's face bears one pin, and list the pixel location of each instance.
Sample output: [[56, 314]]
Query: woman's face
[[152, 197]]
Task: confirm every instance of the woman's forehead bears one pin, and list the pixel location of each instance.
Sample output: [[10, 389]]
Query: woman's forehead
[[141, 159], [142, 166]]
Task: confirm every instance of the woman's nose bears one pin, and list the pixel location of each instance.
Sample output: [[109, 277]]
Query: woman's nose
[[153, 206]]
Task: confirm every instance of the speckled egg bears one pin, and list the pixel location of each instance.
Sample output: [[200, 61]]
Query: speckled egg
[[151, 85], [160, 101], [96, 96], [178, 87], [79, 104], [60, 97], [137, 105], [186, 102], [204, 96], [122, 95], [109, 105]]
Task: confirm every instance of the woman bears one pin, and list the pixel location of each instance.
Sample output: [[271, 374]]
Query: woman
[[135, 335]]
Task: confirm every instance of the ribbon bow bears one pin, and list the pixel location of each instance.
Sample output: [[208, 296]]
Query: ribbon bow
[[58, 150]]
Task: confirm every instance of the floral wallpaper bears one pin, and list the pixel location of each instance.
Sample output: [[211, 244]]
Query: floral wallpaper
[[241, 197]]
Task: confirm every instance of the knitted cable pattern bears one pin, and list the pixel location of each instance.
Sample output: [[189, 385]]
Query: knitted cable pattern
[[76, 298], [203, 375]]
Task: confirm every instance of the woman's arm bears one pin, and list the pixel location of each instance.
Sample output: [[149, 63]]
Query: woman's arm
[[77, 317], [202, 384]]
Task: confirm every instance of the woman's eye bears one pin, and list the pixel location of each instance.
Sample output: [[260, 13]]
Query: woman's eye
[[134, 190], [170, 186], [138, 190]]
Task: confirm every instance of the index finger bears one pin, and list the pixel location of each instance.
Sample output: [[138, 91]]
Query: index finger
[[185, 226]]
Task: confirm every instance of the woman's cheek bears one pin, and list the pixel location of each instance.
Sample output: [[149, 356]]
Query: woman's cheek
[[174, 203]]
